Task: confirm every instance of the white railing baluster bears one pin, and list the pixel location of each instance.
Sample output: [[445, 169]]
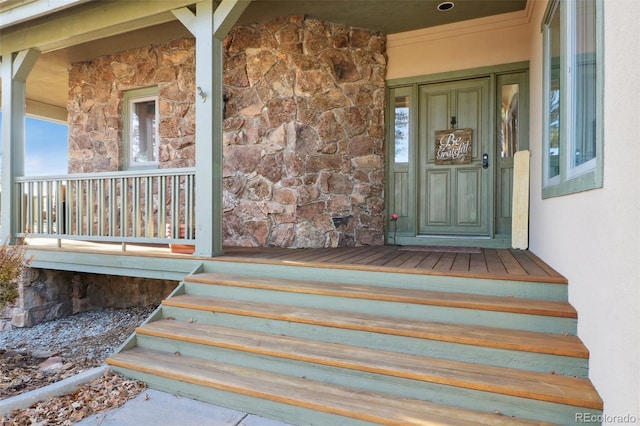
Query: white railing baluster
[[162, 206], [189, 204], [126, 207], [148, 200], [99, 203]]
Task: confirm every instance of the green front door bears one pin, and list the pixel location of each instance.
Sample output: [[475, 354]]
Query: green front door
[[455, 199]]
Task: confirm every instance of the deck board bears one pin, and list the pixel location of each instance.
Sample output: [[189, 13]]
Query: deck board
[[510, 262], [461, 262], [478, 263], [494, 263], [446, 262], [487, 263], [429, 262]]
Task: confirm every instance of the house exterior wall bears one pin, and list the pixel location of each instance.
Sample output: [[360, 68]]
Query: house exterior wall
[[303, 136], [96, 103], [465, 45], [303, 130], [593, 238]]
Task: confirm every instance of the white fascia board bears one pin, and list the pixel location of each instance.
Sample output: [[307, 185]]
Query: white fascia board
[[16, 12], [97, 19]]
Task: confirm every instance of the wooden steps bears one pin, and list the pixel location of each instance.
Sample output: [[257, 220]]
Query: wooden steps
[[343, 352], [544, 387], [412, 303], [348, 402], [544, 343], [424, 297]]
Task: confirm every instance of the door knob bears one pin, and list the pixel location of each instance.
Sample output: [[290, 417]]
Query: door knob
[[485, 161]]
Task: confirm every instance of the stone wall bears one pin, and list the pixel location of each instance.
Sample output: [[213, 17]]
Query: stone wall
[[96, 100], [303, 130], [304, 135], [47, 294]]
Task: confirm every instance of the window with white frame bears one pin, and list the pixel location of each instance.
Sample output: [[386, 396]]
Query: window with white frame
[[573, 139], [141, 127]]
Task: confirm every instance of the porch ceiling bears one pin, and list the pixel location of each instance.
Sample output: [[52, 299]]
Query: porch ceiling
[[48, 84]]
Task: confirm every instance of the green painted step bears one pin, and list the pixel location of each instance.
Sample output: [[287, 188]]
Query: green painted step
[[428, 305], [526, 341], [555, 291], [426, 297], [542, 387], [401, 387], [544, 363], [351, 403]]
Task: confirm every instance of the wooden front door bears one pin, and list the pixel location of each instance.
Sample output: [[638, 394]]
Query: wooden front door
[[455, 199]]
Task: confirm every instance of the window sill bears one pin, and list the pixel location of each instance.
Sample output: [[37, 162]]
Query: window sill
[[585, 182]]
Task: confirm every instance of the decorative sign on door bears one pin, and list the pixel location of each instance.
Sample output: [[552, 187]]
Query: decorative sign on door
[[453, 146]]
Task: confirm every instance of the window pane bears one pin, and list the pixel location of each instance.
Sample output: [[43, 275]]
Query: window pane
[[584, 84], [554, 95], [401, 129], [143, 132], [509, 129]]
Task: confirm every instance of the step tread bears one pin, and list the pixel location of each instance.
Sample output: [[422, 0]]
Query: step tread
[[349, 402], [424, 297], [526, 384], [530, 341]]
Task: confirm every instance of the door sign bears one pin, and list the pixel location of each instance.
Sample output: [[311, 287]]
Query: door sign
[[453, 146]]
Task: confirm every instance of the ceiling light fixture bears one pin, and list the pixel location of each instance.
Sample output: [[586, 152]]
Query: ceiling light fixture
[[445, 5]]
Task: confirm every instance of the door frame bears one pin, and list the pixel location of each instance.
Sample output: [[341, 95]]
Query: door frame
[[404, 231]]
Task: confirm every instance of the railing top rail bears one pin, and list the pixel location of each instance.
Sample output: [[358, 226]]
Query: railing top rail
[[183, 171]]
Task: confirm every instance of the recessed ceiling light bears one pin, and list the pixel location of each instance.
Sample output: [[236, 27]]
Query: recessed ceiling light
[[445, 5]]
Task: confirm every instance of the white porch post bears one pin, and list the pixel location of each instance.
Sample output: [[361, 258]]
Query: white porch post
[[209, 28], [15, 69]]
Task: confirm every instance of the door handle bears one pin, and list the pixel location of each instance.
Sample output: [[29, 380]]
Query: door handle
[[485, 161]]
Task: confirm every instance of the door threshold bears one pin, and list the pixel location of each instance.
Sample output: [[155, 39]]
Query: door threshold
[[499, 241]]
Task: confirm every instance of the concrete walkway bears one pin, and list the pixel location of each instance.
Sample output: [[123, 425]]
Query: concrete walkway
[[157, 408], [150, 408]]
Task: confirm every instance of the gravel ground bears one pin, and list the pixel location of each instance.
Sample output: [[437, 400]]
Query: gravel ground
[[34, 357]]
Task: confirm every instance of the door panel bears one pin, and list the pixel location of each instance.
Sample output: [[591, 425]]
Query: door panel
[[454, 199], [438, 197], [400, 193], [469, 201]]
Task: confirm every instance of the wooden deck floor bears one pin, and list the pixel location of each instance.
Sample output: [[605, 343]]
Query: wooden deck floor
[[458, 261], [428, 260]]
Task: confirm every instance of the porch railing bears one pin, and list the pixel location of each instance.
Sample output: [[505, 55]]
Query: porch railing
[[146, 206]]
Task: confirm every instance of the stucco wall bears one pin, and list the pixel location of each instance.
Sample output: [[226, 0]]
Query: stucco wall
[[466, 45], [593, 238]]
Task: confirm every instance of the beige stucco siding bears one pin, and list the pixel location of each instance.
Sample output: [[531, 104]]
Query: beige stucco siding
[[593, 238], [477, 43]]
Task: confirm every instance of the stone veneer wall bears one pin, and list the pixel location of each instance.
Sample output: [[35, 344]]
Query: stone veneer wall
[[96, 100], [303, 130], [46, 295], [304, 135]]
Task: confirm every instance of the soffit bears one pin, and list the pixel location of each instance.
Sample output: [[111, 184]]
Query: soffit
[[48, 82], [386, 16]]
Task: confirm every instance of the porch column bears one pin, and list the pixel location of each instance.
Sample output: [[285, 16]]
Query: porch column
[[15, 69], [209, 28]]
